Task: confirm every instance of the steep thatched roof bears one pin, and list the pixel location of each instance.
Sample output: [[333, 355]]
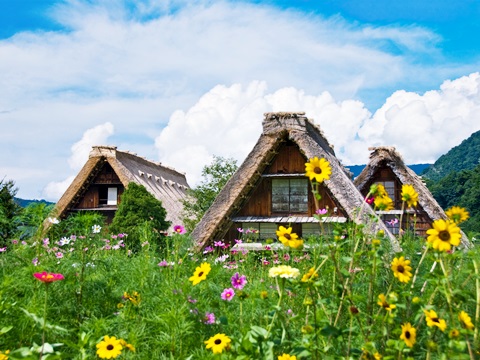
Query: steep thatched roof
[[165, 183], [389, 156], [278, 127]]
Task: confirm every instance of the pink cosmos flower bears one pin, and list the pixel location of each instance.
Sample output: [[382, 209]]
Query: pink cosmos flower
[[209, 318], [3, 249], [392, 222], [59, 255], [228, 294], [179, 229], [48, 277], [321, 211], [238, 282]]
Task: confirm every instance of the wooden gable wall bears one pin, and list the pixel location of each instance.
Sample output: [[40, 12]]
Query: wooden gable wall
[[417, 219], [94, 196], [289, 161]]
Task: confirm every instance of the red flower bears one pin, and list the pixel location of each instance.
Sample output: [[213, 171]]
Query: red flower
[[48, 277]]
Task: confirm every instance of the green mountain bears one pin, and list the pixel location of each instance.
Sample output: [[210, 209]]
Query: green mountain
[[24, 203], [454, 180], [465, 156], [417, 168]]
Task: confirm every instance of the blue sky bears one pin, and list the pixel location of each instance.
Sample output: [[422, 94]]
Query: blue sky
[[180, 81]]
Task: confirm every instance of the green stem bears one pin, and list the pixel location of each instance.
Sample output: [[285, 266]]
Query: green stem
[[400, 230], [280, 292], [477, 309], [418, 267], [44, 320]]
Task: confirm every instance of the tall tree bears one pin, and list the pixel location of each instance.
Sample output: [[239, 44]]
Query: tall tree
[[9, 209], [214, 177], [141, 216]]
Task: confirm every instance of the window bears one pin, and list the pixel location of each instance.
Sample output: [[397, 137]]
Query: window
[[263, 231], [112, 196], [290, 195]]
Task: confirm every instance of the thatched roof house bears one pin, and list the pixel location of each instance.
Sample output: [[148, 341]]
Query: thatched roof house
[[387, 167], [100, 183], [270, 187]]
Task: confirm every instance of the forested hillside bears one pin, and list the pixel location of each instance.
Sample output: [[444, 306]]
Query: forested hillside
[[465, 156], [454, 179]]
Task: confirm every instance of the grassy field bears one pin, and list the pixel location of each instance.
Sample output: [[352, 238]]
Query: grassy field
[[347, 297]]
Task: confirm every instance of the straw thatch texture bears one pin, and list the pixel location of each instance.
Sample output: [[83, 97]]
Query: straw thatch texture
[[277, 127], [390, 157], [165, 183]]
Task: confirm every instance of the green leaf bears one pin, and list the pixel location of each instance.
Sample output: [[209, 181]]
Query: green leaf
[[5, 329]]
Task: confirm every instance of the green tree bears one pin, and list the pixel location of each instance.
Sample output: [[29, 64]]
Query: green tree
[[460, 189], [31, 219], [9, 209], [214, 178], [141, 216]]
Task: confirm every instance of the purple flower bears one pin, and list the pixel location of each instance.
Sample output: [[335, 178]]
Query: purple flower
[[179, 229], [35, 261], [59, 255], [3, 249], [191, 300], [238, 282], [321, 211], [209, 318], [228, 294], [240, 230], [208, 249]]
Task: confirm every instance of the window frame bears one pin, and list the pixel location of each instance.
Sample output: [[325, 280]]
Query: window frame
[[299, 207]]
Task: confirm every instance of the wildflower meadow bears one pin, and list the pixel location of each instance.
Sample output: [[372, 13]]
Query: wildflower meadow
[[344, 294]]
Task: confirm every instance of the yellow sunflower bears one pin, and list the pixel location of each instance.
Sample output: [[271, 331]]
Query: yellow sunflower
[[109, 347], [383, 203], [401, 269], [378, 190], [201, 273], [127, 345], [218, 343], [310, 275], [295, 244], [443, 235], [433, 320], [466, 320], [457, 214], [318, 169], [382, 301], [409, 334], [454, 333], [409, 195], [4, 355], [285, 235], [287, 357]]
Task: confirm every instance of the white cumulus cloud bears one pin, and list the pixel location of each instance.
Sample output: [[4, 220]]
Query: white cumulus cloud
[[226, 121], [97, 135]]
